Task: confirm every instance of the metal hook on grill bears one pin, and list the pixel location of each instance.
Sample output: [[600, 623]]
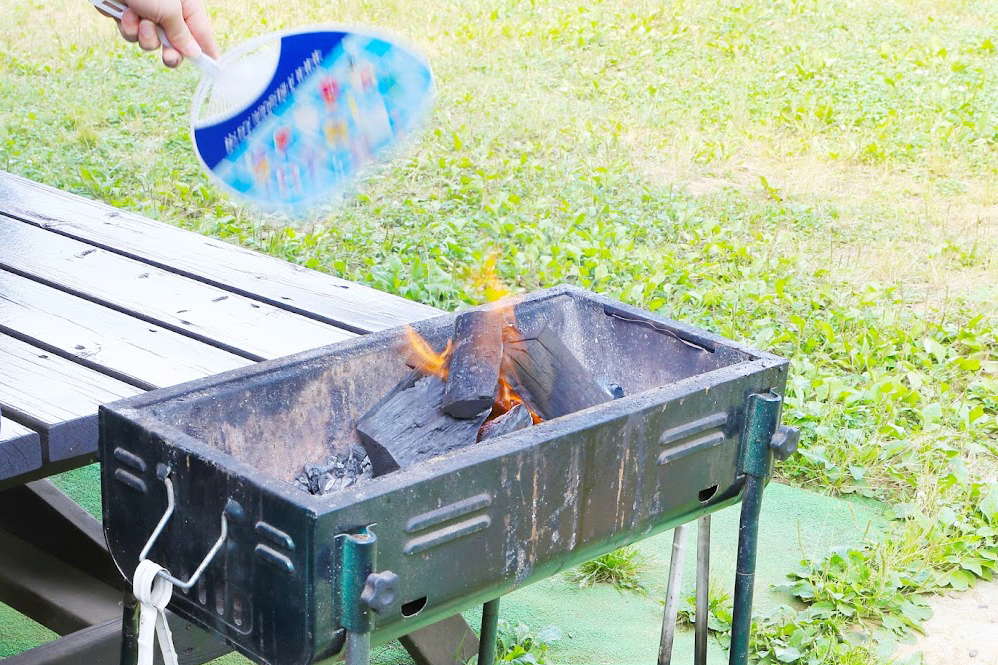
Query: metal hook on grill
[[170, 505]]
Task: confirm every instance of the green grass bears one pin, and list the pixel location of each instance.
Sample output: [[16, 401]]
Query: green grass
[[620, 568], [814, 178]]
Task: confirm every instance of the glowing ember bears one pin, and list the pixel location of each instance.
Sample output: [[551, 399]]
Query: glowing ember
[[507, 399]]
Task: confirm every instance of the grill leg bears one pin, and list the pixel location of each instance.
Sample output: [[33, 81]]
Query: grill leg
[[358, 649], [672, 595], [358, 559], [129, 630], [703, 589], [748, 537], [490, 627]]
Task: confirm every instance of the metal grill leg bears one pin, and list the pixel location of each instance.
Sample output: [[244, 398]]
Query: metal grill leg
[[358, 649], [490, 627], [129, 630], [748, 536], [703, 590], [672, 595]]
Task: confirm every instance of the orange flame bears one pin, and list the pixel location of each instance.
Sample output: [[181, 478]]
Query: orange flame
[[487, 280], [507, 399], [425, 358]]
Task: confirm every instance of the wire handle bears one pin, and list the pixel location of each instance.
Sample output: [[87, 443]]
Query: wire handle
[[170, 505], [116, 10]]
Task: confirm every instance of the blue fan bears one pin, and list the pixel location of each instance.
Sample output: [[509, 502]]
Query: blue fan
[[289, 120]]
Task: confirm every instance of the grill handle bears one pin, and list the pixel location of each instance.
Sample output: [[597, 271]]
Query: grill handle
[[231, 507]]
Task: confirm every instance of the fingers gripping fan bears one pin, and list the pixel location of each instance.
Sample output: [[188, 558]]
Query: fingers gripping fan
[[297, 115]]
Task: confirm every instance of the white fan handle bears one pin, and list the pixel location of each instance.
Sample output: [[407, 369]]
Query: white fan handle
[[114, 8]]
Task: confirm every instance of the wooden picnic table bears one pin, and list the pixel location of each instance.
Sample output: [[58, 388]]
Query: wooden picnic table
[[97, 304]]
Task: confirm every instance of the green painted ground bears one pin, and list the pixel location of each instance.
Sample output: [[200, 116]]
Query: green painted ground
[[602, 625]]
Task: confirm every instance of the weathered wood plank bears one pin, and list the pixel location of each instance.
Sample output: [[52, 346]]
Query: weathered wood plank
[[447, 642], [41, 514], [104, 339], [101, 645], [56, 397], [318, 295], [52, 592], [253, 329], [20, 449]]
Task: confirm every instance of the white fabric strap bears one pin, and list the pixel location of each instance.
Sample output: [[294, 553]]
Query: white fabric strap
[[153, 593]]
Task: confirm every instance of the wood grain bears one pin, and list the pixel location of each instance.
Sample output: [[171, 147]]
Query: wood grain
[[104, 339], [549, 377], [339, 302], [236, 323], [20, 449], [56, 397]]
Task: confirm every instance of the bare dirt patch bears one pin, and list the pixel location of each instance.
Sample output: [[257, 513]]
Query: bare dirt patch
[[962, 631]]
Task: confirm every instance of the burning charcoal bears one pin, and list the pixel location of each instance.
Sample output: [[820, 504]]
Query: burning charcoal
[[473, 372], [513, 420], [411, 427], [549, 377], [616, 390]]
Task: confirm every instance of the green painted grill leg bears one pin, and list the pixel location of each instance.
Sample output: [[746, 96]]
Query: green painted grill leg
[[359, 558], [490, 629], [748, 538], [763, 416]]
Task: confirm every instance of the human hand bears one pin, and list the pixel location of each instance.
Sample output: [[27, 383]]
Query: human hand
[[184, 22]]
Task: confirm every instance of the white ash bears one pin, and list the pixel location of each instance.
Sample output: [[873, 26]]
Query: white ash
[[337, 472]]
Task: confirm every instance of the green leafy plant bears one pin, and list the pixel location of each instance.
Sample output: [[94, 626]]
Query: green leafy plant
[[718, 609], [622, 568], [517, 644]]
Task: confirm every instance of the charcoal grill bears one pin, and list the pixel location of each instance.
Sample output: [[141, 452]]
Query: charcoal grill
[[696, 431]]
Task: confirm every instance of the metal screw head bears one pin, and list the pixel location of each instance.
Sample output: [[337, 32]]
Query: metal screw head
[[381, 591], [784, 442]]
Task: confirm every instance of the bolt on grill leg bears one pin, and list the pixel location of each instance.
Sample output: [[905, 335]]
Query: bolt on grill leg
[[703, 590], [672, 595], [487, 637]]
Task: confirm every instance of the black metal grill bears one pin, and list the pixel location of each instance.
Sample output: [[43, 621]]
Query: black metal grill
[[458, 530]]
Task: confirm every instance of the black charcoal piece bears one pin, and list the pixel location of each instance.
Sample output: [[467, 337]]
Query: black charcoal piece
[[473, 372], [411, 427], [548, 376], [513, 420]]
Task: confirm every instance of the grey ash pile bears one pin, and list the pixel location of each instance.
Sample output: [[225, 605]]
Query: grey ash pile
[[336, 473]]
